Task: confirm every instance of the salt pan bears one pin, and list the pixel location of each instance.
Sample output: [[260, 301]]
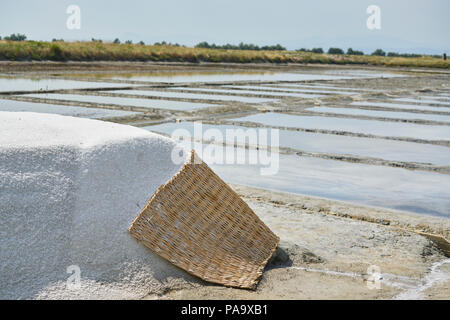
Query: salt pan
[[69, 189]]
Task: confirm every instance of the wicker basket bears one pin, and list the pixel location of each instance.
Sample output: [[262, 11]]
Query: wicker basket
[[198, 223]]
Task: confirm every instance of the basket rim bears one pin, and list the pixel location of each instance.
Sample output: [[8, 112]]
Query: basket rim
[[188, 161]]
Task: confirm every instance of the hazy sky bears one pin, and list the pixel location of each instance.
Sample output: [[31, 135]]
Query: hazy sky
[[406, 25]]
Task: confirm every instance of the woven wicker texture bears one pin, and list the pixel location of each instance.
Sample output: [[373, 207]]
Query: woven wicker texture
[[198, 223]]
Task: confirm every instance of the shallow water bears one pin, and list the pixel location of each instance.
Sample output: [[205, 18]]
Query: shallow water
[[90, 113], [319, 86], [317, 92], [361, 73], [198, 77], [184, 95], [379, 128], [384, 114], [324, 143], [399, 106], [421, 192], [21, 84], [207, 76], [275, 92], [142, 103], [443, 95], [422, 100]]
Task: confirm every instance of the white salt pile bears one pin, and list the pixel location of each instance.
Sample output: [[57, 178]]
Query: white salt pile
[[69, 189]]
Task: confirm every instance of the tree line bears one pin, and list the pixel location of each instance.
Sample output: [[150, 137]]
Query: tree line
[[15, 37], [240, 46], [350, 51]]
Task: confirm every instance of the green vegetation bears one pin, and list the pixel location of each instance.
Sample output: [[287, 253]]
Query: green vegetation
[[16, 37], [379, 53], [167, 44], [97, 50], [335, 51], [241, 46], [405, 55], [350, 51], [317, 50], [313, 50]]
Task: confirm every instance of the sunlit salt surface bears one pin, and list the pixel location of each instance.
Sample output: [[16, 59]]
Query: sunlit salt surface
[[276, 89], [379, 128], [422, 100], [384, 114], [142, 103], [414, 191], [323, 143], [185, 95], [81, 112], [394, 105], [22, 84]]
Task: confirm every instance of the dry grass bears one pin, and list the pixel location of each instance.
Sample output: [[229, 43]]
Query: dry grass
[[96, 51]]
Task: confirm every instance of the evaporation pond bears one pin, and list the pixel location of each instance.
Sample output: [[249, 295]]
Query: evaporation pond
[[394, 105], [254, 92], [141, 103], [324, 143], [372, 127], [25, 84], [322, 86], [81, 112], [383, 114], [423, 100], [185, 95], [396, 188], [230, 77], [317, 93], [417, 191]]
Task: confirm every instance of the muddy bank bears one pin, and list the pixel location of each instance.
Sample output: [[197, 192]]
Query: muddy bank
[[335, 250], [127, 66]]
